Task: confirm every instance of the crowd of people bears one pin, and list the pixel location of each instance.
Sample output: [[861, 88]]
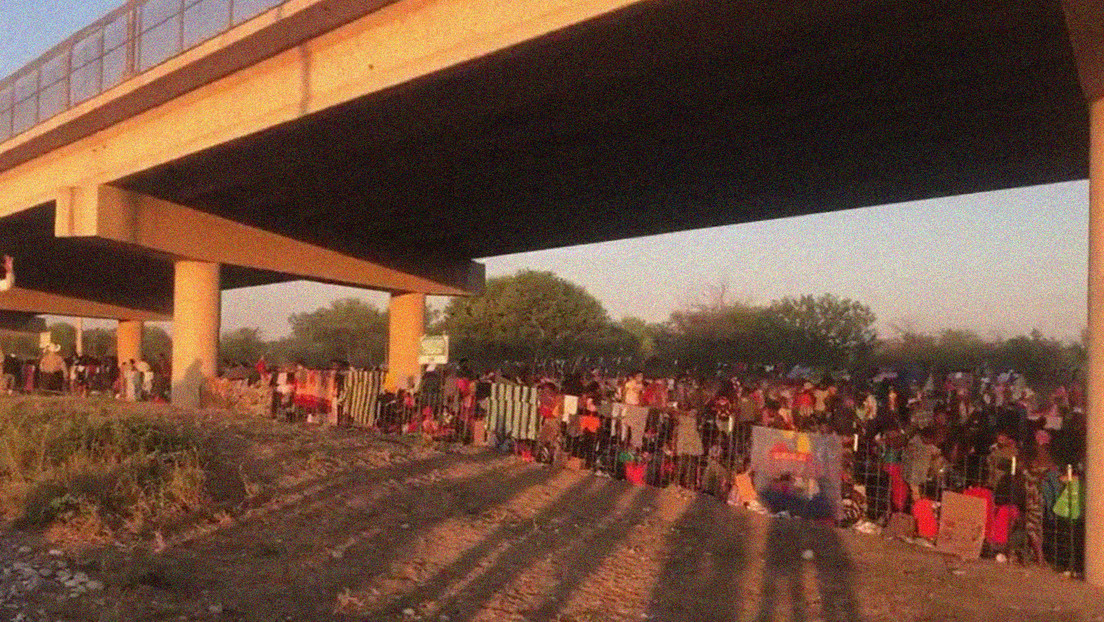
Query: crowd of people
[[903, 441], [51, 373]]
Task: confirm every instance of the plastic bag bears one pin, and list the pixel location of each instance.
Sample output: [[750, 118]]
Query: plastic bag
[[1068, 504]]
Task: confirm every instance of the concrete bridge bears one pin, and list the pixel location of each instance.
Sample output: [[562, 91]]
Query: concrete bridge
[[180, 147]]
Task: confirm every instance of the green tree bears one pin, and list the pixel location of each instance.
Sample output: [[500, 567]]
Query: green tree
[[64, 334], [243, 345], [99, 342], [1045, 362], [823, 330], [961, 349], [528, 315], [642, 335], [156, 343], [349, 329], [717, 331], [908, 347]]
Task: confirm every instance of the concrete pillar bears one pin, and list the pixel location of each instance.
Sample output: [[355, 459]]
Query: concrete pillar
[[196, 316], [1094, 377], [128, 340], [79, 343], [406, 325]]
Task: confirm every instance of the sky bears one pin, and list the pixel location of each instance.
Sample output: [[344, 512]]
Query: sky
[[999, 263]]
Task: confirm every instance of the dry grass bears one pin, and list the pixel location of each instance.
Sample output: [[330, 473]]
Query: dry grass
[[91, 471]]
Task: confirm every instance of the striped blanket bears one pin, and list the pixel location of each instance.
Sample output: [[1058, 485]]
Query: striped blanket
[[361, 396], [512, 411]]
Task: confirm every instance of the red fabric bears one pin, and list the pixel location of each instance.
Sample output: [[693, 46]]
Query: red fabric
[[803, 399], [1000, 524], [655, 395], [589, 423], [547, 407], [309, 386], [926, 524], [634, 473], [984, 493], [429, 424], [898, 489]]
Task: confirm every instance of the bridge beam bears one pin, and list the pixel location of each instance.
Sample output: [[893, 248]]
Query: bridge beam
[[34, 301], [184, 233], [383, 49], [21, 322]]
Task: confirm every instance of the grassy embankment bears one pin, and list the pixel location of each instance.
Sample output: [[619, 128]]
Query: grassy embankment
[[96, 471]]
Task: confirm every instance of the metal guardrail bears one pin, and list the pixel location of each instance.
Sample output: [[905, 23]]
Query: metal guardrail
[[128, 41]]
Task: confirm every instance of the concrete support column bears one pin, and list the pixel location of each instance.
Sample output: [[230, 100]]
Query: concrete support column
[[128, 340], [196, 321], [1094, 377], [406, 325]]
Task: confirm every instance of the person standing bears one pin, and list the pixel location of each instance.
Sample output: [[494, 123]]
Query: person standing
[[52, 369], [632, 389], [128, 377], [144, 380]]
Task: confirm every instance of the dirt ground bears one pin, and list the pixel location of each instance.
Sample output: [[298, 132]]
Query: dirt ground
[[385, 529]]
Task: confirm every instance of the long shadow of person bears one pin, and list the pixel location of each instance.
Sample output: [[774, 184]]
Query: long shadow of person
[[835, 575], [792, 542], [702, 579], [789, 544], [782, 570]]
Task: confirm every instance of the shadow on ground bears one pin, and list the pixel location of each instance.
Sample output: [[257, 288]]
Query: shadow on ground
[[478, 536], [793, 550]]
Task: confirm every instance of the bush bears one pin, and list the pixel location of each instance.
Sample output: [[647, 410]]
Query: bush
[[95, 469]]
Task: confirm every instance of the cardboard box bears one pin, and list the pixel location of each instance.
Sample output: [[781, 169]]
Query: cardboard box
[[961, 525]]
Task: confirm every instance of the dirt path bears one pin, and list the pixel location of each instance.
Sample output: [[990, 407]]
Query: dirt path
[[409, 533]]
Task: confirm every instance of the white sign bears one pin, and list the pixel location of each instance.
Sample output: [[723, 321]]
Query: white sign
[[434, 350]]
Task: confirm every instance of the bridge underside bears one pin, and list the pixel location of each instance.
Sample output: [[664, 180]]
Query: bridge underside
[[101, 273], [390, 151], [665, 116]]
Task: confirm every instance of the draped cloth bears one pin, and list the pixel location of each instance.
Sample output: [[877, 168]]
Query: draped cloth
[[898, 489], [512, 411], [361, 396], [687, 440], [633, 421]]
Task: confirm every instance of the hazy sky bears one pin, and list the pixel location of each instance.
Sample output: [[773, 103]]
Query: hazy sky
[[1002, 262]]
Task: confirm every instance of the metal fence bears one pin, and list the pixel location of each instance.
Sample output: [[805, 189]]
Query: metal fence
[[663, 448], [128, 41], [874, 488]]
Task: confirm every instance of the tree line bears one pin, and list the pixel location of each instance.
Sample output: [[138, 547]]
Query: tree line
[[538, 316], [96, 343]]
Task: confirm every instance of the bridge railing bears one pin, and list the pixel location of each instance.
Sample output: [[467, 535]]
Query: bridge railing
[[126, 42]]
